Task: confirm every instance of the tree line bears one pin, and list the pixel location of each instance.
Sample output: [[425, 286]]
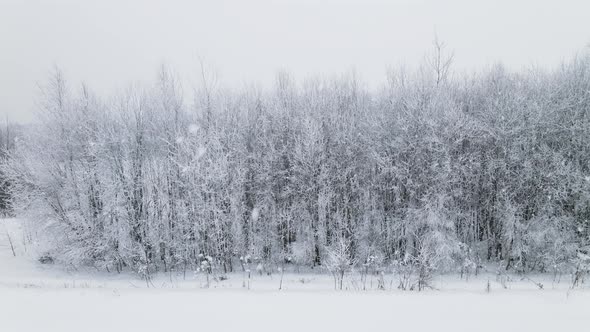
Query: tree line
[[433, 169]]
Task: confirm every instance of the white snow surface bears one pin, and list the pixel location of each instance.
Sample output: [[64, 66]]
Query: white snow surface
[[36, 297]]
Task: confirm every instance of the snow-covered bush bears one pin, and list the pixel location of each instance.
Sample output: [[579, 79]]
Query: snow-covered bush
[[466, 260], [373, 266], [339, 262], [435, 246], [404, 269], [582, 269], [206, 267]]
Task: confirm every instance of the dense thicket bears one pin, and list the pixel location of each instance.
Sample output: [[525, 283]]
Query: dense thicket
[[444, 171], [8, 134]]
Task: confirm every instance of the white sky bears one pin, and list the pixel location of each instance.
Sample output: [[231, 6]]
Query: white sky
[[111, 43]]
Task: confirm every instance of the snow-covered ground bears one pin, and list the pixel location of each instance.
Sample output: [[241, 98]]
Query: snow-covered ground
[[36, 297]]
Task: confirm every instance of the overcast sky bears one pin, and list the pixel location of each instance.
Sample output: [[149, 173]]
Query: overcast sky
[[111, 43]]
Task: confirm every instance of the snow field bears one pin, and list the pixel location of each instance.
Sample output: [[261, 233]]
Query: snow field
[[36, 297]]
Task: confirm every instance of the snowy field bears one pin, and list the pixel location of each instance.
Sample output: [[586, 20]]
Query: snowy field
[[36, 297]]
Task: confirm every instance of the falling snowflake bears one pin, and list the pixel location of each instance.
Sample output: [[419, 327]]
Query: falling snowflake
[[255, 214], [193, 129], [201, 151]]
